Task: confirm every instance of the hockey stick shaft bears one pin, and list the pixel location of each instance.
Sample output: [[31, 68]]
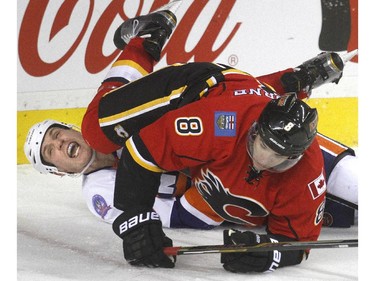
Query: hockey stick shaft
[[281, 246]]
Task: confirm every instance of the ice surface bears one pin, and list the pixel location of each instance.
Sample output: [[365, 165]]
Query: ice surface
[[59, 239]]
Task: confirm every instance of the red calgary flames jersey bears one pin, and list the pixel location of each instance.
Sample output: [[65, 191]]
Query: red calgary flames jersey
[[208, 137]]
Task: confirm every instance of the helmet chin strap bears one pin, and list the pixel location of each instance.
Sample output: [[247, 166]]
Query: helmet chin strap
[[93, 156], [92, 159]]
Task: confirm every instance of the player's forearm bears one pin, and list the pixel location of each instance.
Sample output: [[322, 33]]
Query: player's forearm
[[273, 80], [135, 185]]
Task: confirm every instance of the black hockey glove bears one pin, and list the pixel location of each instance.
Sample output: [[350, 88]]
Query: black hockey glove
[[143, 238], [255, 261], [296, 81]]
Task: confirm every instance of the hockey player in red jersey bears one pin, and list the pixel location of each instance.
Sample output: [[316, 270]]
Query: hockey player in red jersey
[[174, 205], [250, 150], [186, 127]]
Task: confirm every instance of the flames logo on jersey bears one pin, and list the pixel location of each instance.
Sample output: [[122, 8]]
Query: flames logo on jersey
[[231, 207]]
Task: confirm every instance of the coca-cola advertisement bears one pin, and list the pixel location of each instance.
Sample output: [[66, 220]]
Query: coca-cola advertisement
[[68, 44]]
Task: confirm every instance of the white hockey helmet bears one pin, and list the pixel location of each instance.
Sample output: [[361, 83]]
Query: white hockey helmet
[[33, 144]]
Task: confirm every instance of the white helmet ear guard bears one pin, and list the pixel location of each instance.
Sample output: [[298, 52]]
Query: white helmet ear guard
[[33, 145]]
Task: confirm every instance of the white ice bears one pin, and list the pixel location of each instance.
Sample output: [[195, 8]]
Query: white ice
[[59, 239]]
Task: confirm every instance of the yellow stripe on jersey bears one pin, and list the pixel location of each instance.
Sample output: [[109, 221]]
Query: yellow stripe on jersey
[[176, 93], [203, 92], [141, 109], [139, 159], [269, 86], [132, 64], [127, 69], [211, 81]]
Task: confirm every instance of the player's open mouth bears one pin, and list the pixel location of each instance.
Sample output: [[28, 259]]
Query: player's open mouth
[[73, 149]]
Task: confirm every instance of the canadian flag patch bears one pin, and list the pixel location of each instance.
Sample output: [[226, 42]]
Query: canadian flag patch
[[318, 186]]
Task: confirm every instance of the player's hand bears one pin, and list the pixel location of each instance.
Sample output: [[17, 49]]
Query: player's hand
[[297, 81], [246, 262], [143, 239]]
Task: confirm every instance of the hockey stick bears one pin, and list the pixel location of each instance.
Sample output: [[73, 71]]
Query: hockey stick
[[240, 248], [342, 201]]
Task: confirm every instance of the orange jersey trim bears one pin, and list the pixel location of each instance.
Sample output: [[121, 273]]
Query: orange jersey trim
[[193, 197], [330, 145]]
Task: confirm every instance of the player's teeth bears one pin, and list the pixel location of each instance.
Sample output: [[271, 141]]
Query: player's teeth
[[73, 149]]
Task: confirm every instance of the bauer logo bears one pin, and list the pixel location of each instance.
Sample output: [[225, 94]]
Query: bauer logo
[[138, 219], [225, 124], [318, 186], [100, 205]]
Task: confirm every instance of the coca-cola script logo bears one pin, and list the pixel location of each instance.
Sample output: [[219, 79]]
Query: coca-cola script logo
[[95, 61]]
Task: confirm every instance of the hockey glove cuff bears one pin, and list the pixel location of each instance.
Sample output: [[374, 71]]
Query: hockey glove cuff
[[143, 238], [255, 261], [323, 69], [296, 81]]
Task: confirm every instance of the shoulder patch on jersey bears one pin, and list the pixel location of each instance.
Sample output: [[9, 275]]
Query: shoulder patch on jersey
[[318, 186], [100, 205], [225, 124]]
